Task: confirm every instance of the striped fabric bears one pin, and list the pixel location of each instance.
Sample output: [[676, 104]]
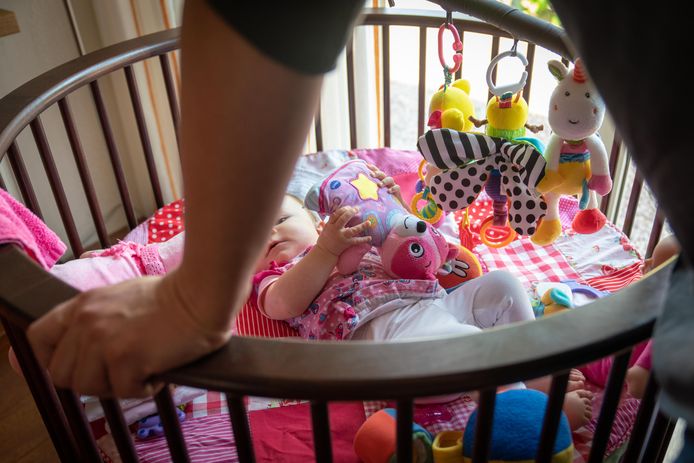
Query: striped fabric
[[473, 162], [250, 322], [615, 279], [209, 440], [449, 149]]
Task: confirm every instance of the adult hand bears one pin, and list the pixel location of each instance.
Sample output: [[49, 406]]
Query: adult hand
[[110, 340]]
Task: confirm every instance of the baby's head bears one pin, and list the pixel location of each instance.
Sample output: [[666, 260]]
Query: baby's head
[[294, 230]]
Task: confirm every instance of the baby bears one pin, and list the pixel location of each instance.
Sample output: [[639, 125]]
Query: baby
[[369, 304]]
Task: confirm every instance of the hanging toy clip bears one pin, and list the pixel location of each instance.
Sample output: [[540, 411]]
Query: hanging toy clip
[[513, 87], [430, 212], [457, 45]]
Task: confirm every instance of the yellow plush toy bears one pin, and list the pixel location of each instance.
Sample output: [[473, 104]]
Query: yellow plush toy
[[451, 108], [507, 117]]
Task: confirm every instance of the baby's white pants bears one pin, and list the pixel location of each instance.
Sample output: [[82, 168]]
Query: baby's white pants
[[496, 298]]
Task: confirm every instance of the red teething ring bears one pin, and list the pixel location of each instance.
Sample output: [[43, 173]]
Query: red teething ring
[[496, 237], [457, 48]]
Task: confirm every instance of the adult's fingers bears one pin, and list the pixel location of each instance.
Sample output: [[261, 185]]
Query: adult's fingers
[[64, 360], [46, 332], [92, 376], [128, 377]]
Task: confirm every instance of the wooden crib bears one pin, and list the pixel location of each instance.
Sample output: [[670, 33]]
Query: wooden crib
[[319, 372]]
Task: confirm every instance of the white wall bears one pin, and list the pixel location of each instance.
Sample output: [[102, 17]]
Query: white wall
[[46, 40]]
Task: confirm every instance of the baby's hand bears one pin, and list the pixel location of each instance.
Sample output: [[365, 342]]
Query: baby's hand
[[389, 183], [336, 237]]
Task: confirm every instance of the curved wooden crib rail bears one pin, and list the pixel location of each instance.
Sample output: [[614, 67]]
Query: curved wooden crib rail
[[322, 371]]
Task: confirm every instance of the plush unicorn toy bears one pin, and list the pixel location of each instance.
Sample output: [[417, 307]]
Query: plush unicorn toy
[[409, 247], [576, 156]]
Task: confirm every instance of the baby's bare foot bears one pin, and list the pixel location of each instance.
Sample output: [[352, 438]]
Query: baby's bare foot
[[576, 380], [578, 408]]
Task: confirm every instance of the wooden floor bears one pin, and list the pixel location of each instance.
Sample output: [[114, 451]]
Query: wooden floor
[[23, 438]]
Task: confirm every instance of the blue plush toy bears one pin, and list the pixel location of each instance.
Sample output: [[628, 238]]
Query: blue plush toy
[[150, 427], [518, 417]]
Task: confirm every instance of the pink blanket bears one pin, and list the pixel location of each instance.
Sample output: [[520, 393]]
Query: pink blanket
[[20, 226]]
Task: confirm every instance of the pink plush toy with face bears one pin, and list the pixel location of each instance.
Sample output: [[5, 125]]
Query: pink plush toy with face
[[410, 248], [414, 249]]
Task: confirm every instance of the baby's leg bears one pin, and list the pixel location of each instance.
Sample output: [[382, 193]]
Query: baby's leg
[[423, 319], [577, 401], [496, 298], [418, 320]]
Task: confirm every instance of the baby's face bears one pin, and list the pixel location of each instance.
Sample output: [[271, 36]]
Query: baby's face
[[293, 232]]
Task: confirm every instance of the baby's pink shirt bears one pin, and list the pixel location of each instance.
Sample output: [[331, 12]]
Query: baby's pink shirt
[[597, 372], [347, 301]]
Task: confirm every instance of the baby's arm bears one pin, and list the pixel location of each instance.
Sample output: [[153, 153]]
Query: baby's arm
[[638, 374], [294, 291]]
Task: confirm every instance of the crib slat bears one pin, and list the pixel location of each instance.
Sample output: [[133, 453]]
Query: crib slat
[[318, 128], [643, 420], [43, 393], [119, 430], [144, 135], [421, 103], [666, 440], [633, 204], [614, 159], [20, 173], [350, 94], [170, 93], [531, 66], [483, 428], [403, 449], [669, 430], [322, 442], [56, 186], [113, 154], [656, 231], [386, 84], [495, 51], [79, 425], [552, 416], [609, 406], [172, 428], [658, 438], [242, 432], [83, 170]]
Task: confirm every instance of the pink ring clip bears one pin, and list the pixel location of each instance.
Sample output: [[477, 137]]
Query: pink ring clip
[[457, 47]]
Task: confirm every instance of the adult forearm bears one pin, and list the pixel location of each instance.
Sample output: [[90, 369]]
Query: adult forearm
[[244, 121]]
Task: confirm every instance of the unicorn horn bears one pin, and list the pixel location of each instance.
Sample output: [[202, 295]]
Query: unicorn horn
[[579, 72]]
